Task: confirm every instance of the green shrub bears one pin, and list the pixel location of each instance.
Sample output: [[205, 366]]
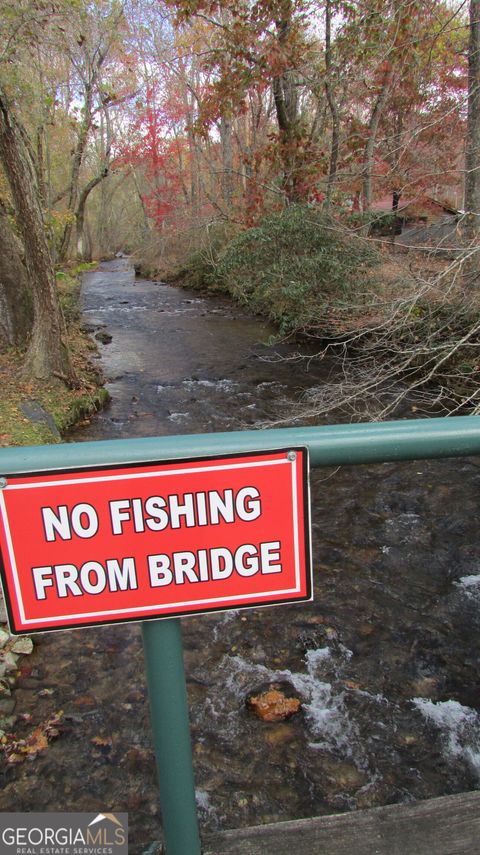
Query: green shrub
[[199, 270], [294, 267], [378, 223]]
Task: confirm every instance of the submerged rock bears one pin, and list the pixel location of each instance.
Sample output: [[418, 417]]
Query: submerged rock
[[23, 645], [103, 337]]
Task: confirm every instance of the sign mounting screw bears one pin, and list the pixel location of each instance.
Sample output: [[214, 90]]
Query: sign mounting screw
[[292, 455], [3, 483]]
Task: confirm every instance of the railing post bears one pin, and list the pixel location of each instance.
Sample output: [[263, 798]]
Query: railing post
[[162, 642]]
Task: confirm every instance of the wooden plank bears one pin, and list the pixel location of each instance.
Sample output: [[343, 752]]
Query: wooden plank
[[449, 825]]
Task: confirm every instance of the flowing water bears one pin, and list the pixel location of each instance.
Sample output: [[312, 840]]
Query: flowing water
[[385, 660]]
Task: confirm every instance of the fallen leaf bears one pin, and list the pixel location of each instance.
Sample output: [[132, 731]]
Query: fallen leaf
[[273, 705], [18, 750]]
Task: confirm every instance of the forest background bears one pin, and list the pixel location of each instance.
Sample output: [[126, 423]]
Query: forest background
[[271, 149]]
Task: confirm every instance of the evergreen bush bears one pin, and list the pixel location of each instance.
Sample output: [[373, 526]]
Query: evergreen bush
[[297, 267]]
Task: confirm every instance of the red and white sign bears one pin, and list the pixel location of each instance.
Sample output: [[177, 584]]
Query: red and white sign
[[155, 540]]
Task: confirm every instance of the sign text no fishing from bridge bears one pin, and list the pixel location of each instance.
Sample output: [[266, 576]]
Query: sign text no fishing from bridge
[[139, 541]]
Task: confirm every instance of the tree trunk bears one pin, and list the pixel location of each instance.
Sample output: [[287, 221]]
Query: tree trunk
[[377, 111], [83, 252], [227, 162], [16, 313], [82, 244], [335, 141], [146, 228], [472, 151], [47, 353], [78, 156], [286, 108], [41, 165], [75, 174]]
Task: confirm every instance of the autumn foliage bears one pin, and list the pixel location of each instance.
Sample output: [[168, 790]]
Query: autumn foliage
[[175, 113], [252, 106]]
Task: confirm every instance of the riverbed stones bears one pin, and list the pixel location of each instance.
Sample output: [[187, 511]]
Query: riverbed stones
[[103, 337], [23, 645], [8, 662], [427, 687], [283, 734], [5, 688], [7, 705]]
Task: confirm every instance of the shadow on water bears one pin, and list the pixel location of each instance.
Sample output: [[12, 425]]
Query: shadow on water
[[385, 660]]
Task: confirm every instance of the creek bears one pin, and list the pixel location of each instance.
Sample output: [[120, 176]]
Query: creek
[[385, 660]]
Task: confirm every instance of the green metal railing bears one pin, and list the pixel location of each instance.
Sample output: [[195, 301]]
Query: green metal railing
[[328, 445]]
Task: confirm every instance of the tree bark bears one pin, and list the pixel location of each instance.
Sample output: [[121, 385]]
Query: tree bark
[[286, 108], [94, 66], [227, 161], [47, 353], [377, 111], [41, 165], [16, 311], [332, 104], [75, 174], [472, 150], [83, 245]]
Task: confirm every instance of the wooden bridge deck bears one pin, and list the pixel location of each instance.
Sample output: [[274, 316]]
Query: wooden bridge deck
[[449, 825]]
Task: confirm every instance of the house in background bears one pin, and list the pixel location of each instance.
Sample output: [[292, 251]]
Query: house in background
[[421, 209], [419, 222]]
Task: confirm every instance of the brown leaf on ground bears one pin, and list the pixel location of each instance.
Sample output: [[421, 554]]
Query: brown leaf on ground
[[273, 705], [19, 750]]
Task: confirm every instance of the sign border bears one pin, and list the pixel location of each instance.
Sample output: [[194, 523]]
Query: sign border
[[307, 537]]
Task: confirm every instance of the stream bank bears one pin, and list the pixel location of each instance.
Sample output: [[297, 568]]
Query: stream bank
[[35, 412], [384, 660]]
